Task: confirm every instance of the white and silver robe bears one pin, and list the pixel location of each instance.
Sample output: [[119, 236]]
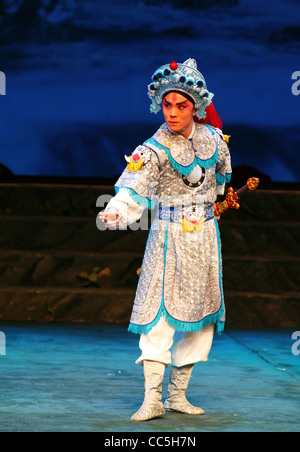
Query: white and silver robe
[[181, 275]]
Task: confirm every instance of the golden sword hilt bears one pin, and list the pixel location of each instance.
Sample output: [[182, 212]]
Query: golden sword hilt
[[232, 197]]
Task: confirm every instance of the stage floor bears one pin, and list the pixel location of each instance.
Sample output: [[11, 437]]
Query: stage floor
[[82, 378]]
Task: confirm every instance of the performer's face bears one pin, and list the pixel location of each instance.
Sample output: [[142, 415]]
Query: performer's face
[[179, 114]]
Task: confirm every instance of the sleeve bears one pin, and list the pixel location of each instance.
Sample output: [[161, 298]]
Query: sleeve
[[136, 188], [223, 167]]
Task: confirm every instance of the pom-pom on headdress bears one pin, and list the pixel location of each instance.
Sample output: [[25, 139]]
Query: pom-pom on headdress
[[184, 78]]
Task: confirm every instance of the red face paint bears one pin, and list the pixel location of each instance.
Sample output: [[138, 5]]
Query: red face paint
[[179, 113]]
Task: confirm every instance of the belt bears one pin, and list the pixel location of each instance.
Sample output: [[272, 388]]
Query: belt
[[176, 214]]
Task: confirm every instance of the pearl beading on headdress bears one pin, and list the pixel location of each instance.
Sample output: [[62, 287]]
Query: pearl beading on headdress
[[183, 78]]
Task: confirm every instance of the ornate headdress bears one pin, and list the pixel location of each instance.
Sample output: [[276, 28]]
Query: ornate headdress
[[184, 78]]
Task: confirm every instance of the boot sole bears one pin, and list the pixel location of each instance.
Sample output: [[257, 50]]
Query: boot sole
[[169, 410], [160, 414]]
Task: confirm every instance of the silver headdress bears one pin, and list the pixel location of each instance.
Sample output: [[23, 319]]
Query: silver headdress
[[184, 78]]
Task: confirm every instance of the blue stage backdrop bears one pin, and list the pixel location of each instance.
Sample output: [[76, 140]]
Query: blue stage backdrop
[[74, 97]]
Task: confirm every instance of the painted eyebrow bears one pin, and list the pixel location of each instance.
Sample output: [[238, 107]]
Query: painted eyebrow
[[179, 103]]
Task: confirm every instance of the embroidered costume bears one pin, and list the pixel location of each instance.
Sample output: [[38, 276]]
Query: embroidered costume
[[180, 286], [181, 273]]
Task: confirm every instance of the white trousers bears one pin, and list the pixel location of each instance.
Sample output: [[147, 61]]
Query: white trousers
[[166, 345]]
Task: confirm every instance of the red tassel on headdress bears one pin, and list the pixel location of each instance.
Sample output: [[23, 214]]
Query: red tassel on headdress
[[212, 117]]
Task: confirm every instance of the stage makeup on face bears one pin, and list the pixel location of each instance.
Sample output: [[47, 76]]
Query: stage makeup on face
[[178, 113]]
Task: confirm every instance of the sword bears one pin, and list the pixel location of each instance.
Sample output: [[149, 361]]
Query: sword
[[232, 197], [231, 201]]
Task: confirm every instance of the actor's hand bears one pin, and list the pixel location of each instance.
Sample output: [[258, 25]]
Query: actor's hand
[[111, 219]]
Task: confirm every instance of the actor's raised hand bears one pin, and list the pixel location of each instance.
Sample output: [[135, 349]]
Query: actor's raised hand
[[111, 219]]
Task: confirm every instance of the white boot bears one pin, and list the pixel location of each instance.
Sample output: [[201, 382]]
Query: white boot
[[152, 406], [176, 400]]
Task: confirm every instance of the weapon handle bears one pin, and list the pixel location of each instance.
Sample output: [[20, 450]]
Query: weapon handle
[[232, 197], [242, 190]]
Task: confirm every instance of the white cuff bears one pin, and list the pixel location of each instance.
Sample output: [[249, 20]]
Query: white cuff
[[130, 211]]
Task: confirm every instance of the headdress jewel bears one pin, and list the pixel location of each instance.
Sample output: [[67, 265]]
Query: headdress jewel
[[183, 78]]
